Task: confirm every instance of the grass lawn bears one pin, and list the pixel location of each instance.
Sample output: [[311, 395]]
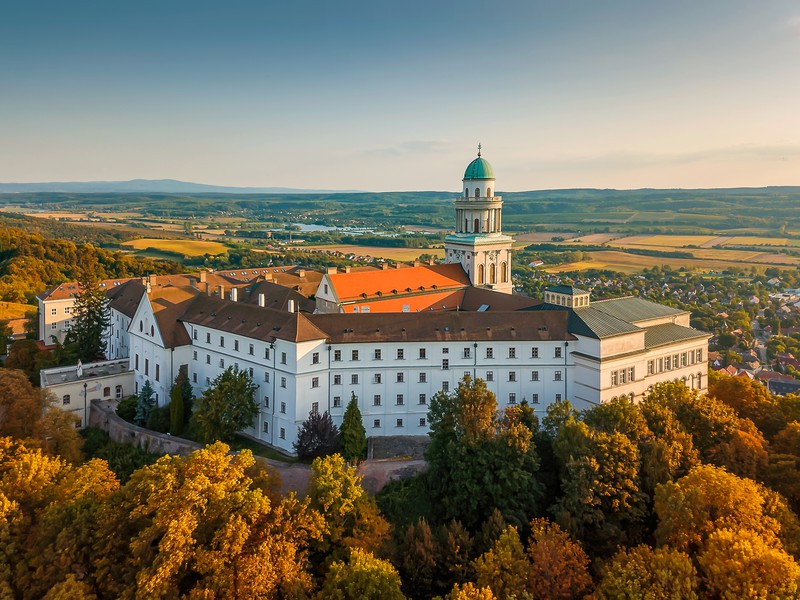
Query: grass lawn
[[243, 443], [185, 247]]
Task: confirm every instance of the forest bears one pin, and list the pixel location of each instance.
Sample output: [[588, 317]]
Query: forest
[[679, 496]]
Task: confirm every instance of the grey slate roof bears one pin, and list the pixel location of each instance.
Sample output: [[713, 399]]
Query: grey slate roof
[[565, 289], [669, 333], [633, 310], [589, 322]]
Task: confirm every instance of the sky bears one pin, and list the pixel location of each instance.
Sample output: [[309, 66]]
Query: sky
[[375, 95]]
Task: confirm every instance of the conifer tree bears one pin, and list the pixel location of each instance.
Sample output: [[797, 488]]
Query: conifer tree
[[176, 417], [354, 436], [90, 317], [144, 404]]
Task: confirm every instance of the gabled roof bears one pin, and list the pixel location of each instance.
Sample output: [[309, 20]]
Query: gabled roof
[[670, 333], [71, 289], [168, 304], [395, 282], [475, 298], [126, 297], [565, 289], [277, 296], [589, 322]]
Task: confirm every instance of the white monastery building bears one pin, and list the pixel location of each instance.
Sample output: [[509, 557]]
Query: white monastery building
[[393, 336]]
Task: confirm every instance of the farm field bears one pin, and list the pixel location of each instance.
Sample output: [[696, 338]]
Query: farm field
[[542, 236], [14, 310], [398, 254], [184, 247], [633, 263], [761, 241], [670, 241]]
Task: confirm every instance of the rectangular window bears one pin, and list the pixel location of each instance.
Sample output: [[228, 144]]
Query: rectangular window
[[283, 358], [222, 341], [422, 421], [675, 360], [631, 373], [194, 333], [315, 358], [337, 355], [423, 399], [535, 352], [667, 363], [490, 353], [401, 354], [376, 400], [623, 376], [534, 398], [54, 326], [558, 397], [208, 338], [467, 352], [266, 353], [558, 352], [266, 427], [399, 423], [700, 355], [445, 364], [512, 375], [53, 311], [158, 372], [423, 377], [354, 355], [283, 407], [283, 382], [208, 359], [684, 360], [65, 399], [400, 377], [376, 423], [208, 381], [445, 350], [423, 353], [557, 376], [266, 376], [315, 408], [315, 382], [400, 400], [221, 363], [236, 345], [651, 366], [137, 362], [489, 375], [377, 354], [512, 398], [146, 366], [377, 378], [337, 380], [534, 375], [194, 377], [512, 353], [194, 355], [337, 402], [266, 401], [354, 379], [283, 433], [614, 378], [251, 350], [445, 386]]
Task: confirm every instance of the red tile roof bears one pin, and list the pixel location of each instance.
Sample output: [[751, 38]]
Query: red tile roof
[[356, 286]]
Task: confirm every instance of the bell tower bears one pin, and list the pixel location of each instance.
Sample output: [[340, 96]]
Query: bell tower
[[478, 242]]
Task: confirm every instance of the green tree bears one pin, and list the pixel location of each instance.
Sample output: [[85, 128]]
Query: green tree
[[317, 436], [363, 577], [176, 416], [642, 573], [227, 406], [145, 402], [504, 568], [354, 436], [480, 460], [90, 317]]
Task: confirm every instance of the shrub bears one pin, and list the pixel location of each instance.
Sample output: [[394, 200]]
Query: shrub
[[126, 408]]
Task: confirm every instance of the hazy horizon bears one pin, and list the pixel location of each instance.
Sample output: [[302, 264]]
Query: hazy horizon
[[374, 96]]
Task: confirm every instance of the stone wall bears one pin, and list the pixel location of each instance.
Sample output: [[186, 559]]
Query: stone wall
[[396, 446], [103, 416]]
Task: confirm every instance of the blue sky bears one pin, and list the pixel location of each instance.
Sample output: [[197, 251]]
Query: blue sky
[[395, 96]]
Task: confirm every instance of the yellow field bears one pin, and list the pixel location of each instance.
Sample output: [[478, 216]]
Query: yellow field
[[13, 310], [185, 247], [758, 241], [633, 263], [674, 241], [397, 254]]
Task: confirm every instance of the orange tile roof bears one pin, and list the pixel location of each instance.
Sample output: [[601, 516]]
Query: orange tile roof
[[448, 300], [393, 282]]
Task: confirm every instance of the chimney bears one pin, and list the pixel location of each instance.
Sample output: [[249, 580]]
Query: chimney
[[203, 276], [262, 300], [416, 263], [234, 294], [207, 288], [331, 271], [147, 287], [301, 272], [221, 291], [431, 262], [347, 269], [384, 266], [291, 306]]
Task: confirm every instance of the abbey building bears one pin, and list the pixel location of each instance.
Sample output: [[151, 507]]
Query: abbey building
[[395, 335]]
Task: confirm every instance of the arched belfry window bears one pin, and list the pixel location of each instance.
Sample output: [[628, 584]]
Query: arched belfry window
[[492, 273], [466, 193], [477, 192], [488, 192], [466, 225], [504, 272], [480, 274], [477, 226]]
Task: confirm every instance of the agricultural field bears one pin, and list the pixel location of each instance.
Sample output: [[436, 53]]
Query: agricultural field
[[14, 310], [396, 254], [669, 241], [182, 247]]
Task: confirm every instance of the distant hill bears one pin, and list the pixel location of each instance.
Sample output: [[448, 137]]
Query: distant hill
[[150, 186]]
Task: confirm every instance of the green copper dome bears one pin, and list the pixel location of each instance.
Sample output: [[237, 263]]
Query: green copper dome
[[479, 169]]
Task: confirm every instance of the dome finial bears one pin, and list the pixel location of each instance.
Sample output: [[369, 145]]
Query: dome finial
[[479, 149]]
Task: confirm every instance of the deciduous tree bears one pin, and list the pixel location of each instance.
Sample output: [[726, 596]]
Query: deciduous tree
[[504, 568], [227, 406], [317, 436], [559, 568], [642, 573], [363, 577]]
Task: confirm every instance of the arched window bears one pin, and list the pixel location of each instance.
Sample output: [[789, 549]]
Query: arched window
[[118, 392], [466, 193], [699, 381], [106, 392], [492, 273], [480, 274], [504, 272], [477, 226], [466, 225], [152, 331], [488, 192], [477, 192], [65, 399]]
